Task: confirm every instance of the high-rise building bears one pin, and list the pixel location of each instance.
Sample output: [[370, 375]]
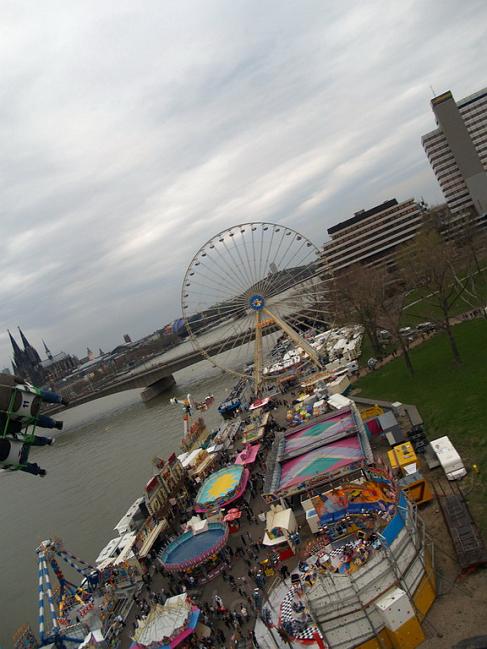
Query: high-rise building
[[457, 152], [372, 237]]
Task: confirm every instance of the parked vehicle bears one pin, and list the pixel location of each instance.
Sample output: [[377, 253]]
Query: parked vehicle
[[449, 458], [383, 334], [407, 332], [352, 367], [425, 327]]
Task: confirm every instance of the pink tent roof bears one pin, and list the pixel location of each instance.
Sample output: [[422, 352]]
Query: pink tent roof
[[248, 455]]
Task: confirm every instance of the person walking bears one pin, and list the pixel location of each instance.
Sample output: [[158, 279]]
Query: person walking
[[219, 602], [244, 613]]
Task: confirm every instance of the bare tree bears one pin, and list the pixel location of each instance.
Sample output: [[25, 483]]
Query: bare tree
[[354, 300], [390, 300], [472, 239], [434, 266]]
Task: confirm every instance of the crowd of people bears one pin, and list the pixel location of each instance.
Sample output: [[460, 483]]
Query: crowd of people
[[230, 604]]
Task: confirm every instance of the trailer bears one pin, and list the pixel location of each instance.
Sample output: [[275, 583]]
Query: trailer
[[449, 458]]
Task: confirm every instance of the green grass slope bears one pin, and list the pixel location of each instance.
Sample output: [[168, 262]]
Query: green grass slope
[[452, 400]]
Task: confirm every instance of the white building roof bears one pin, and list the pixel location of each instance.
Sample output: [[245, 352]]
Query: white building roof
[[123, 524]]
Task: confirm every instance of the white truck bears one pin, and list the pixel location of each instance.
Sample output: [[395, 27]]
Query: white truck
[[449, 458]]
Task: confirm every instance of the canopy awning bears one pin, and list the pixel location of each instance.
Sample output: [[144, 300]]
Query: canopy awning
[[248, 455], [151, 538], [283, 519], [123, 524], [167, 625]]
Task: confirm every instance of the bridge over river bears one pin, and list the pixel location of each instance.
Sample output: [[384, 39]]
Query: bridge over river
[[157, 377]]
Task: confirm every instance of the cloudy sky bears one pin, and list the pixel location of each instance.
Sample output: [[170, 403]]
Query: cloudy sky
[[131, 132]]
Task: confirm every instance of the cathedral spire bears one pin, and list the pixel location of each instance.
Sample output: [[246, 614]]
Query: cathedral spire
[[30, 351], [47, 350], [16, 348], [25, 342]]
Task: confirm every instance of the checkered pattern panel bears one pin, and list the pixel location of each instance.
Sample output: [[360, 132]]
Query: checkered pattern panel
[[289, 622]]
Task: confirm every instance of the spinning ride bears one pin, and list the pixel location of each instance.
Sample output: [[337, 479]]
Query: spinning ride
[[254, 282], [197, 553], [221, 488], [70, 602]]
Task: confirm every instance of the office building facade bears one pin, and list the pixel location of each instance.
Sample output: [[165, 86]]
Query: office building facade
[[372, 237], [457, 152]]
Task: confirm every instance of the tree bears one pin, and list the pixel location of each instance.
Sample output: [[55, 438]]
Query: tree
[[471, 238], [354, 301], [434, 265], [390, 301]]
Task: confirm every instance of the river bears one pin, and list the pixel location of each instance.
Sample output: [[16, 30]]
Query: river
[[97, 468]]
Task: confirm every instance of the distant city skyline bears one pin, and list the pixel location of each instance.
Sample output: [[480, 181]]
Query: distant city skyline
[[131, 135]]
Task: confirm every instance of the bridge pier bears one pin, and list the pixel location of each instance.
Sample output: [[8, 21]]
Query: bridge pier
[[157, 388]]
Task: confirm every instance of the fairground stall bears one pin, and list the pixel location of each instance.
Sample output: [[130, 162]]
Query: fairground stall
[[197, 552], [279, 535], [247, 455]]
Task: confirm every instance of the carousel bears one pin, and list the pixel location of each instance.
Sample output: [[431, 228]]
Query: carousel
[[221, 488], [197, 552]]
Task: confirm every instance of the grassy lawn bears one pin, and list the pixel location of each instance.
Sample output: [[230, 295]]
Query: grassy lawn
[[424, 311], [368, 352], [451, 400]]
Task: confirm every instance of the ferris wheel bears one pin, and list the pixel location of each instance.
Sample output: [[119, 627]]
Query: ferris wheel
[[245, 288]]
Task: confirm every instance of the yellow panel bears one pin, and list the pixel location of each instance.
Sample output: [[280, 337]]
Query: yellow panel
[[409, 636], [384, 642], [424, 597], [401, 455], [370, 413], [419, 492]]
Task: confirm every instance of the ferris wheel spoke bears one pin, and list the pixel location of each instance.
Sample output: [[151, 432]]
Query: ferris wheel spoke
[[234, 280], [235, 330], [216, 319], [251, 271], [280, 262], [261, 270], [304, 321], [266, 264], [234, 270], [293, 278], [269, 279], [228, 287], [228, 271], [245, 277]]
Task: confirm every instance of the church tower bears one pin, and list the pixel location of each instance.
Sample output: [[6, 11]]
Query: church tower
[[26, 362]]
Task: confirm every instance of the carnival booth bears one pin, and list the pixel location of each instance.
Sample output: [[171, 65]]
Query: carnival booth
[[167, 626], [197, 552], [248, 455], [232, 519], [279, 531], [255, 431]]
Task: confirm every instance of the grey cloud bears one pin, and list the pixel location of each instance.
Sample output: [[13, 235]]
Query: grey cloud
[[132, 135]]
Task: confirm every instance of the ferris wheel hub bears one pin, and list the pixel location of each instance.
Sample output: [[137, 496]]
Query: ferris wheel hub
[[256, 302]]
